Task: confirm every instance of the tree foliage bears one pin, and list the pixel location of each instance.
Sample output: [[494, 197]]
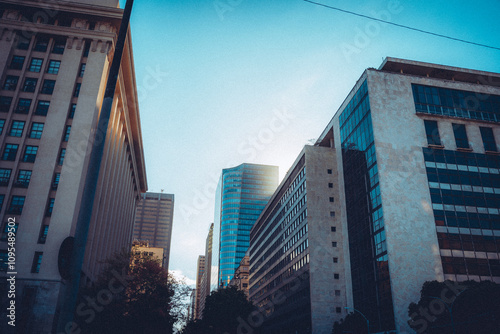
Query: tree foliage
[[141, 298], [352, 323]]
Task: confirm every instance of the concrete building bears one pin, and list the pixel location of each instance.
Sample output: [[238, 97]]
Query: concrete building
[[205, 280], [244, 191], [54, 62], [241, 275], [416, 148], [297, 266], [142, 250], [200, 270], [153, 221]]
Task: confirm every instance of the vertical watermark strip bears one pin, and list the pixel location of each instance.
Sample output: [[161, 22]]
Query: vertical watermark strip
[[11, 271]]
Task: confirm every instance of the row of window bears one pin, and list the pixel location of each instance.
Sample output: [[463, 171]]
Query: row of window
[[17, 128], [29, 85], [35, 268], [42, 43], [23, 178], [35, 65], [16, 205], [30, 152]]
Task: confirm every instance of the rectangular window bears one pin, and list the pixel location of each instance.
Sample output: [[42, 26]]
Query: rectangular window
[[4, 260], [86, 49], [29, 85], [337, 293], [334, 244], [432, 132], [23, 178], [48, 86], [460, 135], [336, 276], [67, 132], [338, 310], [330, 185], [10, 82], [331, 199], [335, 260], [5, 176], [16, 205], [50, 207], [35, 65], [60, 160], [5, 102], [43, 234], [329, 171], [42, 108], [488, 139], [23, 43], [16, 129], [2, 123], [10, 152], [58, 47], [82, 70], [332, 213], [6, 229], [72, 110], [41, 44], [55, 182], [23, 106], [30, 153], [36, 130], [37, 262], [17, 62], [54, 67], [77, 89], [334, 229]]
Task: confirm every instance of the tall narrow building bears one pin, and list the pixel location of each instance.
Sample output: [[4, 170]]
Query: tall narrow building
[[153, 222], [205, 280], [200, 270], [54, 63], [244, 191]]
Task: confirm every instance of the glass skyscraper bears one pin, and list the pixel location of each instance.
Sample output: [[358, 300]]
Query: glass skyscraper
[[243, 192]]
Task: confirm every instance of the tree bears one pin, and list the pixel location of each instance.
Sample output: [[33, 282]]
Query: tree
[[450, 307], [141, 298], [352, 323]]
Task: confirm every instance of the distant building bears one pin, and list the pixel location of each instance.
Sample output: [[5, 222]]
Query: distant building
[[141, 250], [205, 280], [417, 150], [200, 270], [243, 193], [192, 305], [153, 221], [240, 278], [297, 255], [54, 62]]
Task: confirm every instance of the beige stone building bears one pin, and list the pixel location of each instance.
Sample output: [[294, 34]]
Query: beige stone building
[[141, 250], [241, 275], [205, 280], [54, 60], [200, 270]]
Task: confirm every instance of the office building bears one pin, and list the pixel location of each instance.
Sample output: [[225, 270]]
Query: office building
[[54, 62], [241, 275], [153, 221], [244, 192], [200, 269], [142, 250], [417, 153], [297, 267], [205, 280]]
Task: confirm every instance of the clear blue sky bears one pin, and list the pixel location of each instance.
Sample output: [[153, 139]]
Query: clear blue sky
[[231, 81]]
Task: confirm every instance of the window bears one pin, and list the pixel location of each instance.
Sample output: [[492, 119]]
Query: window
[[42, 108], [334, 229], [331, 199], [30, 153], [4, 260], [37, 262], [29, 85], [54, 67], [460, 136], [43, 234], [488, 139], [23, 43], [432, 132], [66, 133], [82, 70], [332, 213], [10, 152], [35, 65], [334, 244], [16, 129], [72, 110], [5, 176], [58, 47], [16, 205], [6, 228], [329, 171], [77, 89], [60, 160], [50, 207], [330, 185], [23, 106], [55, 182], [17, 62], [10, 82], [2, 123], [48, 86], [337, 293], [41, 44], [36, 130], [86, 49], [335, 260], [5, 102], [338, 310], [336, 276], [23, 178]]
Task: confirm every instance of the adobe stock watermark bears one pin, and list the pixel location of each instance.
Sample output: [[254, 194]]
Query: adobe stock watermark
[[223, 6], [247, 150], [372, 29]]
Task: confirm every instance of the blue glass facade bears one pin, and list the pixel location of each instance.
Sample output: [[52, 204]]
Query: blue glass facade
[[369, 264], [245, 191]]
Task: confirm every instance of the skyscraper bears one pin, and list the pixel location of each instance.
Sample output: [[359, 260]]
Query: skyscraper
[[205, 281], [417, 153], [200, 270], [244, 191], [153, 221], [54, 64]]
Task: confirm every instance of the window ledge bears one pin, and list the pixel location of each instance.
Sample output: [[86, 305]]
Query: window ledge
[[464, 149], [435, 146], [492, 152]]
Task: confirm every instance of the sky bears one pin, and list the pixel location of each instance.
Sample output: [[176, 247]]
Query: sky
[[225, 82]]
